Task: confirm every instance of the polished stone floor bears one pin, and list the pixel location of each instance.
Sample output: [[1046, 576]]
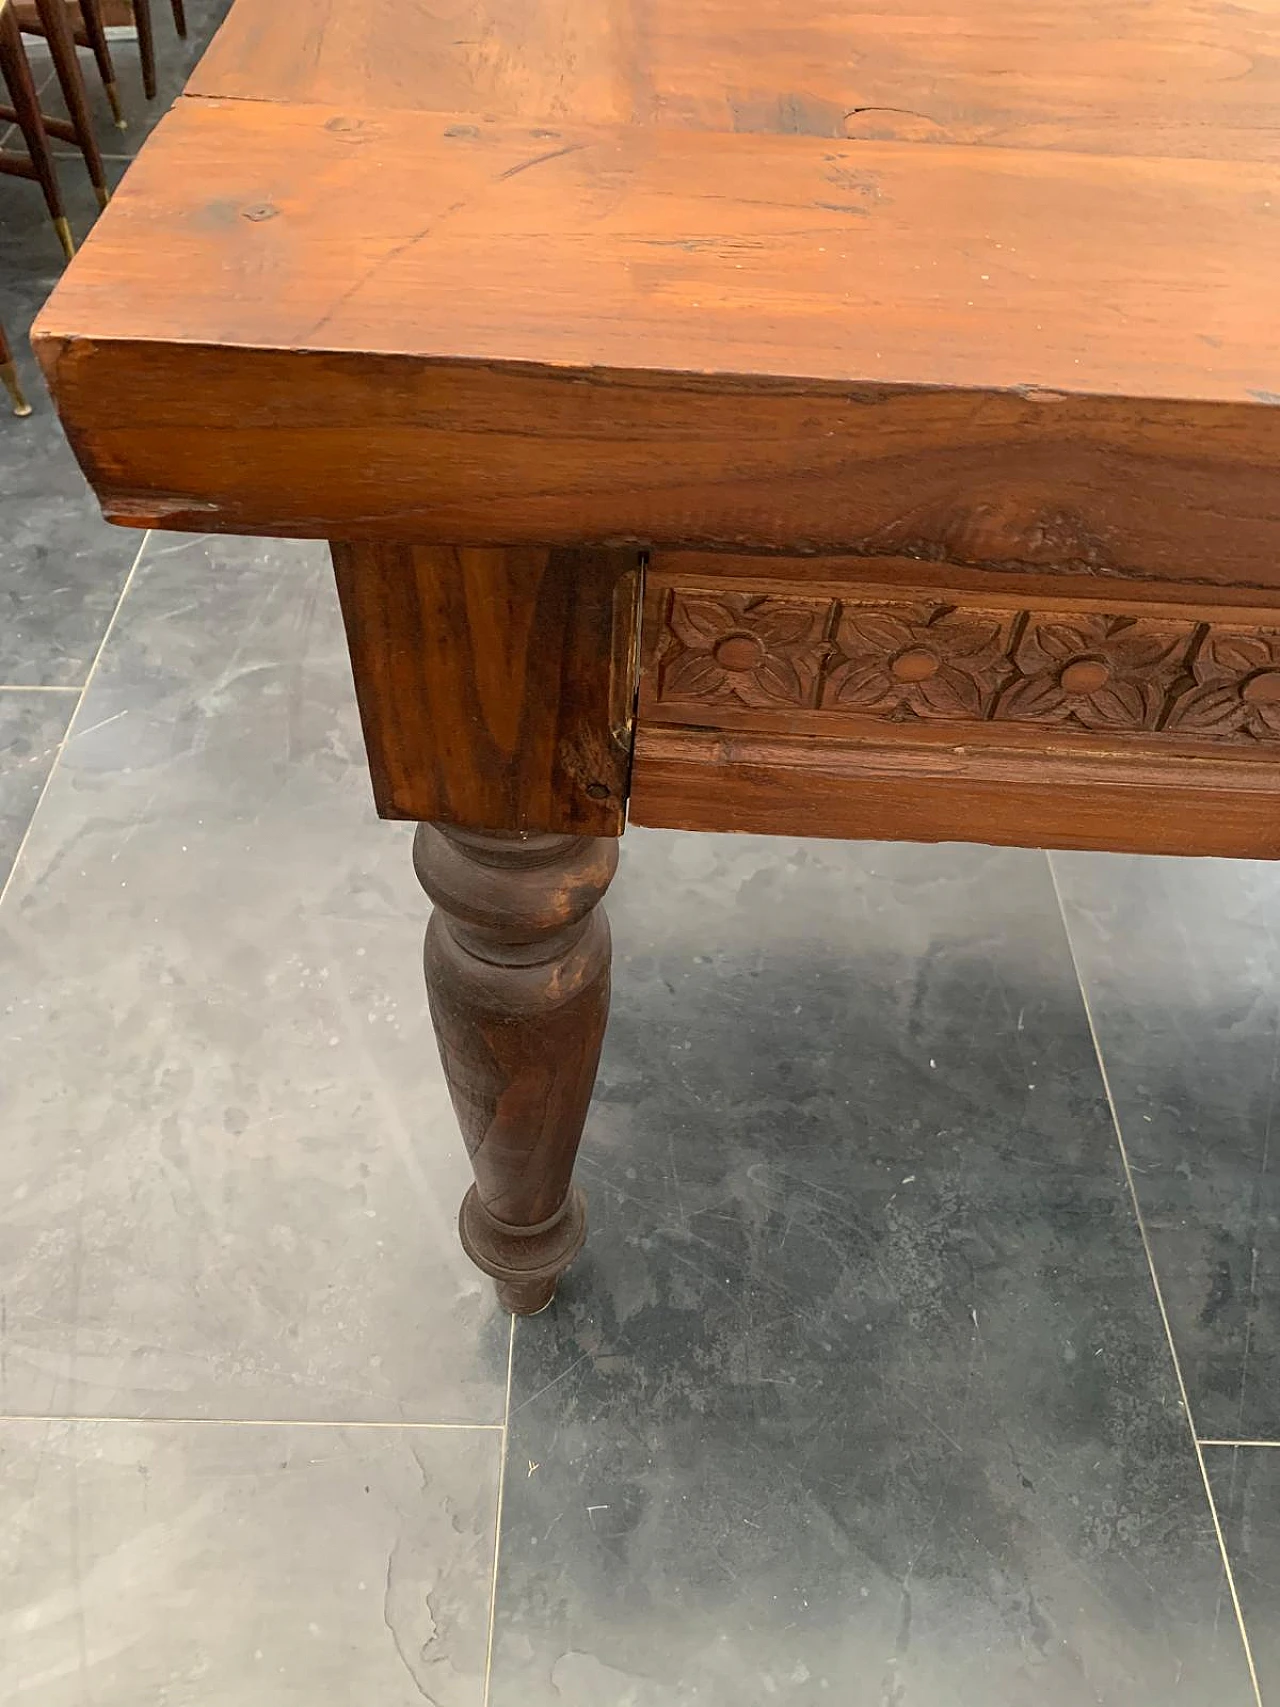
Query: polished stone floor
[[926, 1348]]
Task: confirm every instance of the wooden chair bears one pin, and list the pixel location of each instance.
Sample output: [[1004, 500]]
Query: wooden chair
[[37, 163], [91, 34], [9, 376], [36, 18]]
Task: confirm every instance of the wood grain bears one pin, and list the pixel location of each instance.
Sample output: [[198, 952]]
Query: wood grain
[[680, 338], [314, 228], [495, 687], [798, 785], [1108, 76]]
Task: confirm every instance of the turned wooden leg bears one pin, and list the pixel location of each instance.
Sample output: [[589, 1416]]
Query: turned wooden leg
[[496, 688], [517, 964]]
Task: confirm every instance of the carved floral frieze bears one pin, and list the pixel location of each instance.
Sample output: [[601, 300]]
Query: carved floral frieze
[[939, 661]]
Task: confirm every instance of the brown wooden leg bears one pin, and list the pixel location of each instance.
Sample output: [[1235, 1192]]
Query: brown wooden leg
[[496, 685], [517, 964], [180, 18], [496, 689], [146, 46], [62, 49], [39, 164], [9, 377], [96, 35]]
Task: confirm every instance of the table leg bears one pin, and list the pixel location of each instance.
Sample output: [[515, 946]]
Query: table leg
[[517, 964], [496, 689]]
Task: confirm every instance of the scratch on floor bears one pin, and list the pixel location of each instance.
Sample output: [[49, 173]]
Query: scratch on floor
[[550, 1384], [94, 727]]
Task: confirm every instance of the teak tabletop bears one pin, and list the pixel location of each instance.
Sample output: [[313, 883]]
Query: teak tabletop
[[856, 420]]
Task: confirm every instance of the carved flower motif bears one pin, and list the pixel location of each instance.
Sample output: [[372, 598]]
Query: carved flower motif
[[1237, 689], [1096, 672], [903, 661], [736, 648]]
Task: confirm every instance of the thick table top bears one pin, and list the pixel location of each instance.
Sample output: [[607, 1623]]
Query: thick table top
[[1192, 79], [454, 226]]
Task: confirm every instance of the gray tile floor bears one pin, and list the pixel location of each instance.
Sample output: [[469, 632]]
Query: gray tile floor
[[926, 1349]]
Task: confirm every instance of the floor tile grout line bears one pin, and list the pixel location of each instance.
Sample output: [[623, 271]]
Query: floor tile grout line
[[71, 721], [1206, 1440], [36, 687], [9, 129], [1197, 1444], [497, 1528], [252, 1422]]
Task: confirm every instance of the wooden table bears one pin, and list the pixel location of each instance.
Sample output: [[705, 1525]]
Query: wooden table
[[845, 419]]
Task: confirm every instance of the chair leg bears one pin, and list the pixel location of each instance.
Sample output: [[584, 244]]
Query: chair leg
[[9, 377], [62, 48], [146, 46], [16, 72], [96, 35], [180, 18]]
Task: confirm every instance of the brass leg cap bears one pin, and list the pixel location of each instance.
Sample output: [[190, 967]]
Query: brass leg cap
[[63, 228], [9, 379], [117, 111], [103, 194]]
